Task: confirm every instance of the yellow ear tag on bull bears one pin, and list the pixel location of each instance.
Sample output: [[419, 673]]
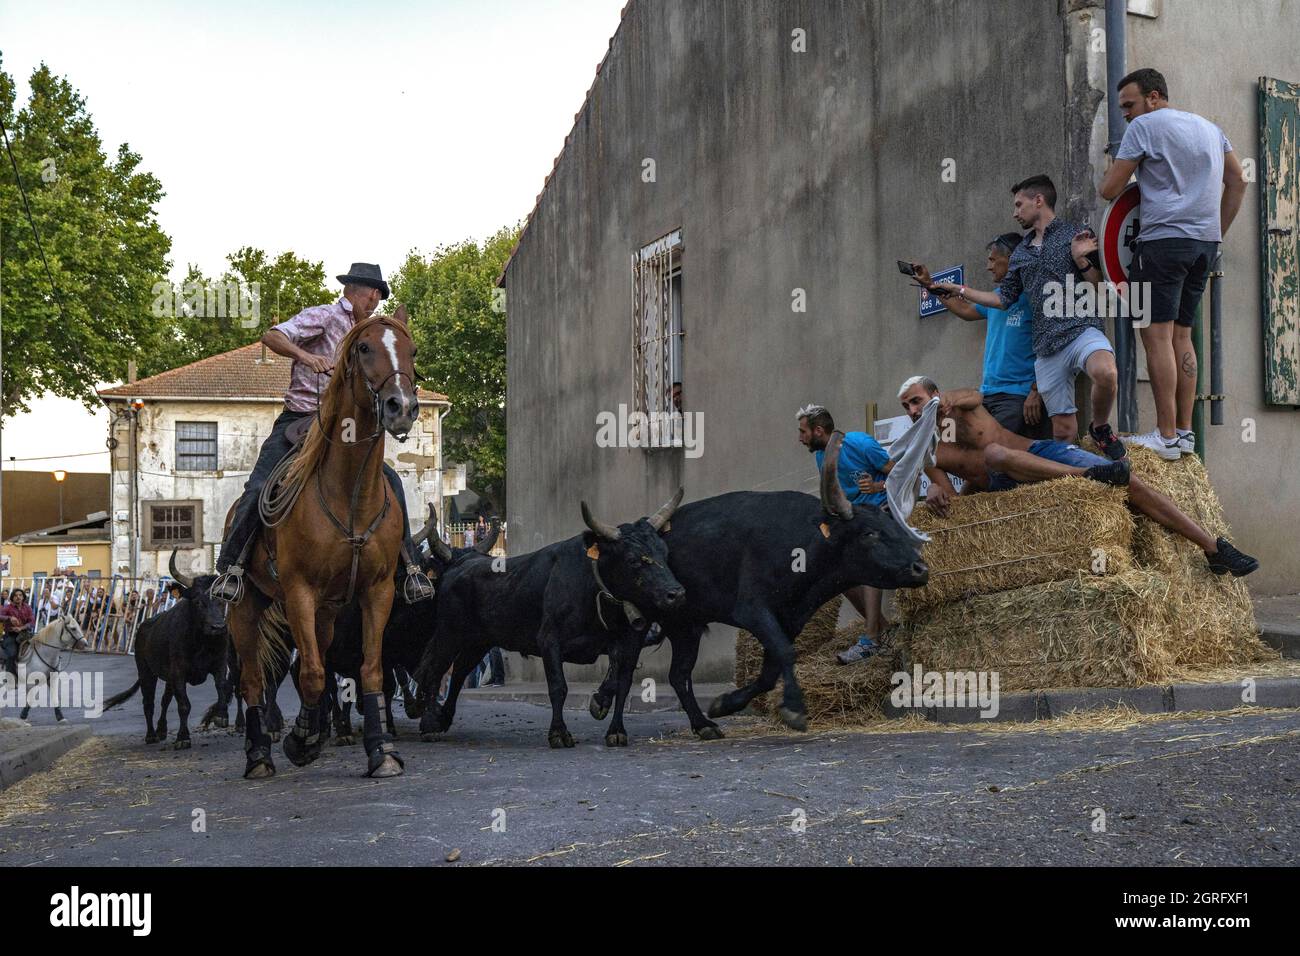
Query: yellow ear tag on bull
[[826, 529], [594, 551]]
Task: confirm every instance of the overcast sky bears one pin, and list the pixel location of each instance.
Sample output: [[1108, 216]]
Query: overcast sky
[[342, 131]]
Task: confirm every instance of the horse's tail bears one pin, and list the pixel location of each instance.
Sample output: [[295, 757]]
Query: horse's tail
[[120, 698], [274, 642]]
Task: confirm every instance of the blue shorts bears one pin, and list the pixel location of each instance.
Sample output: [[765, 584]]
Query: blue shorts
[[1058, 451]]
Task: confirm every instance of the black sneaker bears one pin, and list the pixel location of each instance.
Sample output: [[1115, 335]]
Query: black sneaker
[[1228, 559], [1114, 473], [1110, 446]]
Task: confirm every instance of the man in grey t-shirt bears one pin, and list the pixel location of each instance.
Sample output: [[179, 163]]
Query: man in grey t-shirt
[[1191, 186]]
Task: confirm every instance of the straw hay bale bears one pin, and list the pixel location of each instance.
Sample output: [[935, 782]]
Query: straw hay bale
[[1086, 631], [1213, 615], [817, 632], [1000, 541]]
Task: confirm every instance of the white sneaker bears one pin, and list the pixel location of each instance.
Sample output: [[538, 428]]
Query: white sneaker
[[1167, 448], [1186, 442]]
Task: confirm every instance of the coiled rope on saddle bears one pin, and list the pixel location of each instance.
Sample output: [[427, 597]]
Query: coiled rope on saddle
[[276, 499]]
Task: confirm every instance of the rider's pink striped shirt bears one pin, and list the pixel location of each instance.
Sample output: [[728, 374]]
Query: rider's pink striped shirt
[[317, 330]]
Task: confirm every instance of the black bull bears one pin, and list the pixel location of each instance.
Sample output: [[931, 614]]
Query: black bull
[[563, 603], [765, 562], [185, 644]]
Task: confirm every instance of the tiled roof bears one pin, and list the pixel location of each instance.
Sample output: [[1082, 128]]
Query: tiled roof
[[238, 373]]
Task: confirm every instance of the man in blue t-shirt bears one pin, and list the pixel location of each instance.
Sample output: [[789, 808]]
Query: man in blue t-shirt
[[862, 469], [1009, 390]]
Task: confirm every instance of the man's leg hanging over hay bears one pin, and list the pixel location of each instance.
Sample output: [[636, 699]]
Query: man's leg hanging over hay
[[1142, 498]]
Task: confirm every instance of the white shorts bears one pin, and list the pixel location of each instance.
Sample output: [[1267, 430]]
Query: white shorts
[[1056, 373]]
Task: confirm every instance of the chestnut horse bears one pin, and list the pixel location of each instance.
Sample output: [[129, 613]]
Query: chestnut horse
[[340, 537]]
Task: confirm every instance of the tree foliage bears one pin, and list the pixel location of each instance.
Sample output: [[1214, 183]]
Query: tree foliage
[[459, 324], [280, 287], [96, 216]]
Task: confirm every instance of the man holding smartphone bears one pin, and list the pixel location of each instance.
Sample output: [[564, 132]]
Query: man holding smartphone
[[1010, 392], [1065, 342]]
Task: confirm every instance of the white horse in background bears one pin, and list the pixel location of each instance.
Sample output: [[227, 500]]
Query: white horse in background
[[49, 652]]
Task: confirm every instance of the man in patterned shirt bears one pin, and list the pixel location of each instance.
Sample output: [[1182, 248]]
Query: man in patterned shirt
[[311, 339], [1065, 342]]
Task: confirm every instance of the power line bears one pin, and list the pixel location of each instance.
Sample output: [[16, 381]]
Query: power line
[[78, 454]]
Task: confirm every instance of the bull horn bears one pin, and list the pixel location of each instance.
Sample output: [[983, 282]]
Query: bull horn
[[608, 532], [439, 547], [661, 517], [175, 572], [834, 501], [429, 527], [486, 545]]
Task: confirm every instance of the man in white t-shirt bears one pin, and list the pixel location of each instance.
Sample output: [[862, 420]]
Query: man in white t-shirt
[[1191, 186]]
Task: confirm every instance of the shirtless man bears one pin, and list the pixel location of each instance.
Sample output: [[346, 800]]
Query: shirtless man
[[988, 457]]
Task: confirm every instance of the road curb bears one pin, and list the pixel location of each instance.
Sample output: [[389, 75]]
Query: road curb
[[1155, 699], [34, 755]]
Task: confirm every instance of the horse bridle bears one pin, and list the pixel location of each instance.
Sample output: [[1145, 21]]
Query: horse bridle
[[63, 631], [349, 531], [373, 390]]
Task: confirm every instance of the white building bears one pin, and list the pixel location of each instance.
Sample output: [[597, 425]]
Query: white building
[[183, 442]]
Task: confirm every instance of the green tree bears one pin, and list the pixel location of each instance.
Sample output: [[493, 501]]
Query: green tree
[[281, 287], [98, 224], [459, 325]]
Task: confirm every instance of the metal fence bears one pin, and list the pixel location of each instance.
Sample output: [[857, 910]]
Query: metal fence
[[463, 534], [109, 610]]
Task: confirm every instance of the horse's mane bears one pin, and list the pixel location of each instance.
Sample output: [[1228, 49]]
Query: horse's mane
[[333, 400]]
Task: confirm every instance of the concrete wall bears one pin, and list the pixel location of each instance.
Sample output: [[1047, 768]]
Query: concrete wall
[[1212, 56], [242, 427], [785, 171]]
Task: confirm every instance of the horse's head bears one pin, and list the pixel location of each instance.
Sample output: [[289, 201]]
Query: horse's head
[[383, 354], [71, 635]]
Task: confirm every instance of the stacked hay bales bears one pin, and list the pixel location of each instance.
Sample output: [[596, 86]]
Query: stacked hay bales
[[1212, 617], [1087, 630], [1028, 535], [1147, 609]]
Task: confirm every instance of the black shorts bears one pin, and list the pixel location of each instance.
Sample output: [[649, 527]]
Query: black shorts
[[1008, 410], [1175, 271]]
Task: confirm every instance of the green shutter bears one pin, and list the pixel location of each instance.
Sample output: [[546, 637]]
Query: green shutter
[[1279, 135]]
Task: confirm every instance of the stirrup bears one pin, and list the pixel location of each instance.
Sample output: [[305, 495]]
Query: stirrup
[[417, 587], [229, 585]]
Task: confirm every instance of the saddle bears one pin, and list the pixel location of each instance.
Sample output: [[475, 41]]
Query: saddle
[[297, 432]]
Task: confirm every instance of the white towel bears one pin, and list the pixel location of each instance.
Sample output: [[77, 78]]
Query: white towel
[[913, 452]]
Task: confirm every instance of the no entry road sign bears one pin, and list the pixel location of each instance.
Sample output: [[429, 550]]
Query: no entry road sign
[[1119, 231]]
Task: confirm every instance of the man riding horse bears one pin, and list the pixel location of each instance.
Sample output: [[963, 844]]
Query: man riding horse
[[310, 339]]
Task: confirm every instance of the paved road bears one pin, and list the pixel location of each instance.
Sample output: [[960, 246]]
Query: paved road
[[1211, 790]]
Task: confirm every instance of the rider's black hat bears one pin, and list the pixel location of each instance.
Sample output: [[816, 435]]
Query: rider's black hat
[[367, 274]]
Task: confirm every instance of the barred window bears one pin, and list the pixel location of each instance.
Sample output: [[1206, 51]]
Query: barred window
[[173, 524], [196, 446], [658, 335]]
